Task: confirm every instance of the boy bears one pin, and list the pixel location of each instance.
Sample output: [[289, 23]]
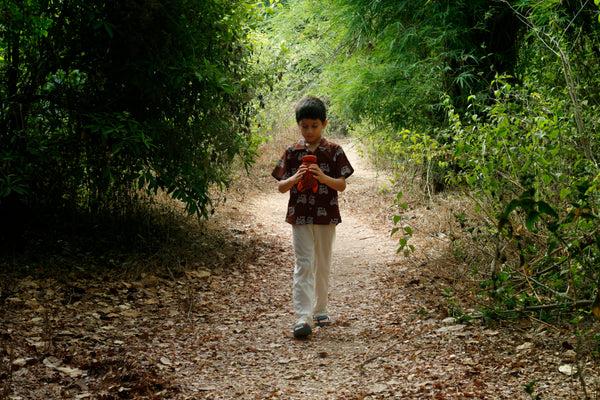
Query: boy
[[312, 211]]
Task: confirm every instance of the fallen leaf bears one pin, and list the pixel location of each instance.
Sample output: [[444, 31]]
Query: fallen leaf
[[451, 328], [567, 369], [378, 388], [287, 360], [491, 333], [525, 346], [165, 361], [198, 274], [72, 372], [52, 362], [21, 362]]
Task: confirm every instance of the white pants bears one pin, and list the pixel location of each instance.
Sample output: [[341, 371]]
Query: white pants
[[313, 245]]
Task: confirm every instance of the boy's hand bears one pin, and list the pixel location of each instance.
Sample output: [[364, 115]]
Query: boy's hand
[[297, 177], [338, 184], [317, 173]]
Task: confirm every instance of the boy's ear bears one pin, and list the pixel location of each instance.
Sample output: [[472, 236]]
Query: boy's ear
[[324, 124]]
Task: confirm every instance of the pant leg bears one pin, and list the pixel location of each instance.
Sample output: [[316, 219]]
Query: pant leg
[[324, 239], [304, 272]]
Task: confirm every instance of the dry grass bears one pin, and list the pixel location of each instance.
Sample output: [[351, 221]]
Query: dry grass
[[272, 150]]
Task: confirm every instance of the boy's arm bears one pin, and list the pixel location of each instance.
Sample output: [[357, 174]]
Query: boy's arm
[[338, 184]]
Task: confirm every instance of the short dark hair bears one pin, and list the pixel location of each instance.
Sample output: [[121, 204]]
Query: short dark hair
[[311, 107]]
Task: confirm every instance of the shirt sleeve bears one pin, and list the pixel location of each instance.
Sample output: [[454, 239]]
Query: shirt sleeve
[[280, 170], [343, 167]]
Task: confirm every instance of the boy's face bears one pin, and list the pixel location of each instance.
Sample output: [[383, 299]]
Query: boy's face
[[312, 129]]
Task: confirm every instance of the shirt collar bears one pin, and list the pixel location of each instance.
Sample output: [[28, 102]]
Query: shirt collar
[[301, 144]]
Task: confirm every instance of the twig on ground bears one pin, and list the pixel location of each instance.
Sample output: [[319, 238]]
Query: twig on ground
[[546, 287], [557, 305], [387, 349], [532, 288], [542, 322]]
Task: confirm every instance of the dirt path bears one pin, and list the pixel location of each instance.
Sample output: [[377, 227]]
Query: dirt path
[[263, 359]]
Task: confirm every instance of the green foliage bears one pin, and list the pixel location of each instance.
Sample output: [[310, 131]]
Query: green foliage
[[384, 66], [147, 95], [405, 230], [529, 390], [526, 167], [295, 43], [527, 158]]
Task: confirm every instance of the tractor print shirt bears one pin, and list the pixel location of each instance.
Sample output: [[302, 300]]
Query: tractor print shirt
[[319, 208]]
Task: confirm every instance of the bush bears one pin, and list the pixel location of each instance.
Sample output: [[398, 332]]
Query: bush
[[130, 95]]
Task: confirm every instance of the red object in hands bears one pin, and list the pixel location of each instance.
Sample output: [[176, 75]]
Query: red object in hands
[[308, 181]]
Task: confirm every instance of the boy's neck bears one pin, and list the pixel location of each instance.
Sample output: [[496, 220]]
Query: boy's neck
[[313, 146]]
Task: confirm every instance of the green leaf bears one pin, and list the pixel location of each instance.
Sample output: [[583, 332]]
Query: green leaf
[[547, 179], [545, 208], [564, 193], [532, 217]]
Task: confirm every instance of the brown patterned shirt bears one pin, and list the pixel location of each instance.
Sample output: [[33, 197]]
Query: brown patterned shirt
[[319, 208]]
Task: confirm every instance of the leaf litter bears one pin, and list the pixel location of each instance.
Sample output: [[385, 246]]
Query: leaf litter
[[221, 329]]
